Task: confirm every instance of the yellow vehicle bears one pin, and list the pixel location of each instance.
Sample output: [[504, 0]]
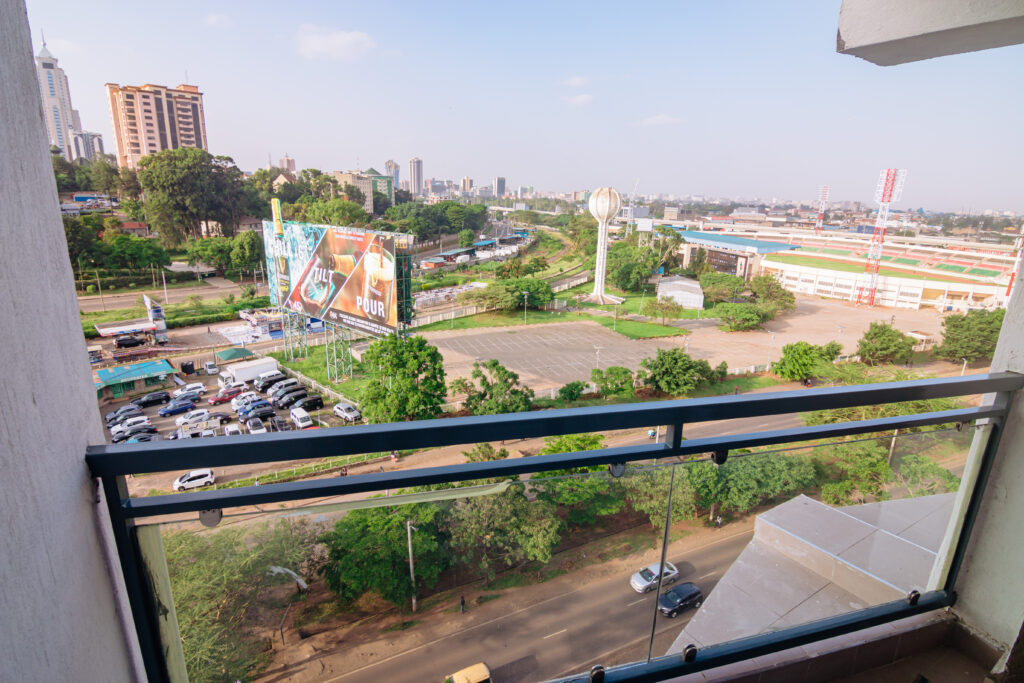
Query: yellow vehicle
[[478, 673]]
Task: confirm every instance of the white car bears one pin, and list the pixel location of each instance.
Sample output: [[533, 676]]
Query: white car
[[128, 424], [347, 412], [256, 426], [242, 400], [197, 387], [193, 417], [300, 418], [194, 479], [647, 578], [232, 429], [211, 368]]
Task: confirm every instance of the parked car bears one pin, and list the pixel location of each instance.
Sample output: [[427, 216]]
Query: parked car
[[189, 396], [222, 418], [300, 418], [647, 578], [249, 408], [279, 424], [681, 597], [308, 403], [286, 400], [134, 431], [224, 396], [283, 387], [116, 415], [128, 423], [153, 399], [197, 387], [264, 382], [348, 413], [265, 413], [123, 414], [127, 341], [255, 426], [211, 368], [143, 438], [240, 401], [232, 429], [176, 407], [194, 479], [193, 417]]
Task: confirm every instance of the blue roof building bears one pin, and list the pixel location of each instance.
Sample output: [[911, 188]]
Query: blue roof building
[[115, 382], [718, 240]]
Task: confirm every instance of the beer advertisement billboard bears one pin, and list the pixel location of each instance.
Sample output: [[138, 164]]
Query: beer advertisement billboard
[[341, 275]]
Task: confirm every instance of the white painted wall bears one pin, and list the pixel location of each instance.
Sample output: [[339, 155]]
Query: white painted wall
[[59, 618]]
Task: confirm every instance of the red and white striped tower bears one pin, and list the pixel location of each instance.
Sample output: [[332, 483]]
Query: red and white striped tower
[[888, 190], [822, 205]]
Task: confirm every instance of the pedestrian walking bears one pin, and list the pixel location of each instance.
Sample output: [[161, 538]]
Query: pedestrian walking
[[462, 604], [394, 456], [736, 390], [718, 522]]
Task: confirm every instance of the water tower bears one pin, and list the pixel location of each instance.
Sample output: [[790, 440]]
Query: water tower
[[604, 205]]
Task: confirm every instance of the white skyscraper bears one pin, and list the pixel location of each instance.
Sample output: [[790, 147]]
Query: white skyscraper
[[56, 95], [416, 176]]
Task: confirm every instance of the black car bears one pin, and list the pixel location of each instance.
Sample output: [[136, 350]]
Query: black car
[[279, 424], [126, 341], [288, 399], [222, 418], [266, 382], [119, 414], [278, 393], [188, 396], [156, 398], [679, 598], [264, 413], [308, 403], [134, 431]]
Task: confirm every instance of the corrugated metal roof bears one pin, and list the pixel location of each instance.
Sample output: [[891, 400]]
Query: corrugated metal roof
[[724, 241], [128, 373]]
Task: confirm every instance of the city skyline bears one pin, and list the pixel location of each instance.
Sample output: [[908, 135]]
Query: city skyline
[[760, 106]]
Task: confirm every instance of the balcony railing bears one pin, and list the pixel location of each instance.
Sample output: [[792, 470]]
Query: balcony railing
[[111, 465]]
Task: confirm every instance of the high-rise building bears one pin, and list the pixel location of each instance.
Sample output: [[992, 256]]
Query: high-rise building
[[287, 163], [56, 95], [85, 144], [392, 168], [467, 184], [499, 187], [361, 182], [416, 176], [151, 118]]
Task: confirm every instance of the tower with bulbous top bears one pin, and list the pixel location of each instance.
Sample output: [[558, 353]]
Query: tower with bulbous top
[[604, 205]]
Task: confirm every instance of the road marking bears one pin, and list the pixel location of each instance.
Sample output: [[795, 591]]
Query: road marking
[[706, 575], [557, 633], [635, 602]]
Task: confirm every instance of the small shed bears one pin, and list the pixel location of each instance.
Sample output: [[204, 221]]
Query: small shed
[[683, 290], [122, 380]]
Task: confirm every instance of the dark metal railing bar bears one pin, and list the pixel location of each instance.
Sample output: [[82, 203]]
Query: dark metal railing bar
[[270, 493], [246, 449]]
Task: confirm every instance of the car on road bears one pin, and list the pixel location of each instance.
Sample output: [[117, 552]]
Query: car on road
[[250, 408], [194, 480], [115, 415], [193, 417], [478, 673], [152, 399], [242, 400], [210, 368], [264, 382], [224, 396], [286, 400], [232, 429], [679, 598], [127, 341], [134, 431], [308, 403], [128, 423], [197, 387], [256, 426], [176, 407], [221, 418], [646, 579], [348, 413]]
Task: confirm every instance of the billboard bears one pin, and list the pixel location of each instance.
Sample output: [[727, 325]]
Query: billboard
[[345, 276]]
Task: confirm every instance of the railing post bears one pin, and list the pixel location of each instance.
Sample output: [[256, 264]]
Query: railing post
[[674, 437]]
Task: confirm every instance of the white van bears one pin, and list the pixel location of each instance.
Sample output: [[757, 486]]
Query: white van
[[300, 418]]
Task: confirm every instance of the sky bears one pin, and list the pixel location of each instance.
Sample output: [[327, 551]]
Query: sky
[[724, 99]]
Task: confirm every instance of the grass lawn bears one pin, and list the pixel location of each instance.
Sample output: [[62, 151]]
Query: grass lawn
[[627, 328], [314, 366], [797, 260], [148, 289], [632, 304]]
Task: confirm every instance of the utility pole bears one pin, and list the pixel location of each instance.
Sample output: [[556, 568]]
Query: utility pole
[[163, 276], [412, 571], [615, 319], [99, 288], [526, 297]]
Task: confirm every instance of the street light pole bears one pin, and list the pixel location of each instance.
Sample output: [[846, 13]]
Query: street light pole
[[412, 570], [964, 368], [526, 297]]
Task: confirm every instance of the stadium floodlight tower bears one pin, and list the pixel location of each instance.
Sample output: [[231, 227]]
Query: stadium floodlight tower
[[822, 205], [604, 205], [888, 190]]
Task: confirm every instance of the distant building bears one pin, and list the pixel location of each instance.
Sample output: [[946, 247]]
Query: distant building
[[282, 180], [632, 213], [392, 168], [672, 213], [55, 92], [287, 163], [416, 176], [467, 184], [381, 182], [151, 118], [499, 187], [682, 290], [85, 145], [360, 181]]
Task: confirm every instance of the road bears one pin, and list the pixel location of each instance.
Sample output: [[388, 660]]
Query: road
[[216, 288], [600, 622]]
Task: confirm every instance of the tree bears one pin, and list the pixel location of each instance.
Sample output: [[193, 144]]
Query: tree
[[662, 307], [485, 452], [134, 209], [883, 343], [212, 251], [766, 288], [801, 360], [647, 493], [585, 493], [501, 530], [81, 238], [128, 185], [367, 551], [104, 176], [924, 477], [721, 286], [353, 194], [535, 265], [630, 275], [498, 392], [507, 295], [738, 317], [403, 197], [572, 391], [673, 371], [247, 249], [406, 380], [466, 238], [513, 268], [863, 470], [381, 203], [332, 212], [613, 380], [856, 373], [972, 336]]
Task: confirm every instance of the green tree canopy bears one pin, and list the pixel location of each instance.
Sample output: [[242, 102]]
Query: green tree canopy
[[584, 493], [767, 289], [674, 372], [802, 360], [721, 286], [493, 390], [883, 343], [662, 307], [507, 295], [466, 238], [614, 380], [739, 317], [972, 336], [407, 380]]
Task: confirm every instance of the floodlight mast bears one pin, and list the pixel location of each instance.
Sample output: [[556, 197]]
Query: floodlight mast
[[888, 190], [822, 205]]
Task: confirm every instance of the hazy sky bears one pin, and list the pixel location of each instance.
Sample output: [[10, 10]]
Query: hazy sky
[[718, 98]]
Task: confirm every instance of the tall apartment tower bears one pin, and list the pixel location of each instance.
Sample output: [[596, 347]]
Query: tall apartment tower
[[416, 176], [287, 163], [467, 183], [151, 118], [60, 118], [499, 187], [392, 168]]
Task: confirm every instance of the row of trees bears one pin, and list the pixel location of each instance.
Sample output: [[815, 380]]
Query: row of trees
[[745, 306], [99, 174], [244, 251], [95, 242]]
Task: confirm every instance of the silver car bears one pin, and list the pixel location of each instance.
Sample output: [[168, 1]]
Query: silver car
[[347, 412], [646, 579]]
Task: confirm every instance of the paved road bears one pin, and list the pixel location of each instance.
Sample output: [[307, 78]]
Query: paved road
[[213, 290], [602, 622]]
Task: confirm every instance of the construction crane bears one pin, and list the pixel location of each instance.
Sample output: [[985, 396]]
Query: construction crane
[[888, 190], [822, 205]]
